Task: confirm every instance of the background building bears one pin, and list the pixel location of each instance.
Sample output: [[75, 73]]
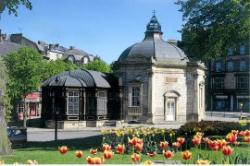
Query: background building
[[77, 56], [228, 81]]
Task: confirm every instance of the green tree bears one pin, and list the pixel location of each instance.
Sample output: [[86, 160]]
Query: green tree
[[4, 110], [98, 65], [24, 69], [52, 68], [12, 5], [212, 26]]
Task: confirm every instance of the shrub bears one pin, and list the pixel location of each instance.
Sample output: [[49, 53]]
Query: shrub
[[209, 128]]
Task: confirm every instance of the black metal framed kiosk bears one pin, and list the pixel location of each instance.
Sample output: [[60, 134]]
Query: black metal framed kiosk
[[79, 96]]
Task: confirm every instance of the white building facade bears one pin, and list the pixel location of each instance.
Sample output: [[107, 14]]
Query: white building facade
[[160, 84]]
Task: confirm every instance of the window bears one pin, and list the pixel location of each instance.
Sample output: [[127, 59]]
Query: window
[[218, 82], [102, 103], [85, 60], [243, 65], [242, 82], [218, 66], [243, 103], [242, 49], [135, 97], [230, 51], [201, 95], [171, 109], [91, 102], [230, 66], [220, 104], [71, 58], [73, 103]]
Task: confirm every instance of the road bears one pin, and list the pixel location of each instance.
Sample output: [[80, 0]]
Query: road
[[42, 135]]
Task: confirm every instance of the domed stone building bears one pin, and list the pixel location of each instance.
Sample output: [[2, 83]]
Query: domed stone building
[[160, 84]]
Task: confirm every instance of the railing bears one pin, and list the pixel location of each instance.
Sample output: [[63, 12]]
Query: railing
[[134, 111]]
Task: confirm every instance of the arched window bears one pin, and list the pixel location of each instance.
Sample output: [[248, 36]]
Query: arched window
[[71, 58], [85, 60]]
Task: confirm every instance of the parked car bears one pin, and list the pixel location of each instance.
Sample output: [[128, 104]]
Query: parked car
[[17, 136]]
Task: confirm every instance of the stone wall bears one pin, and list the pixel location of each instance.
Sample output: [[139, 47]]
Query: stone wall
[[165, 80]]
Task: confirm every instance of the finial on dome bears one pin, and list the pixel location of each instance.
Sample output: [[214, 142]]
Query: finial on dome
[[153, 26], [154, 12]]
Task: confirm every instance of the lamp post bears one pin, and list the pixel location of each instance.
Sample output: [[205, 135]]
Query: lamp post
[[56, 120], [55, 112], [241, 107]]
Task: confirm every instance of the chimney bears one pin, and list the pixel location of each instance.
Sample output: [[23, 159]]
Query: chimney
[[16, 38], [2, 36]]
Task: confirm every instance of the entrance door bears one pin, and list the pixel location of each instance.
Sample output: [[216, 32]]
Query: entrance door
[[170, 109]]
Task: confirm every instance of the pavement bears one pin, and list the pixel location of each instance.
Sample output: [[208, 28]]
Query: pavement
[[42, 135], [45, 134]]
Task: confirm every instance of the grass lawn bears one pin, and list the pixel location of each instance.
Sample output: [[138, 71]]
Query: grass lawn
[[47, 153]]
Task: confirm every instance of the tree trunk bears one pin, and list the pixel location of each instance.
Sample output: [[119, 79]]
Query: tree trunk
[[24, 114], [5, 147]]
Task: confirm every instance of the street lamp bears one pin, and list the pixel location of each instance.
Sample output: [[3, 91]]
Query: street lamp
[[241, 107], [55, 111]]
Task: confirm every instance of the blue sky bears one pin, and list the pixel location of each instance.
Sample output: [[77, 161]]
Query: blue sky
[[102, 27]]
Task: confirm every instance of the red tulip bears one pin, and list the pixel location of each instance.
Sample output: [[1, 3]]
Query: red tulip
[[176, 145], [120, 148], [235, 132], [213, 145], [231, 137], [163, 144], [168, 154], [63, 149], [106, 147], [245, 133], [134, 141], [136, 158], [79, 153], [107, 154], [227, 150], [246, 139], [181, 140], [98, 160], [196, 140], [151, 154], [93, 151], [94, 160], [139, 147], [186, 155], [90, 160], [221, 143]]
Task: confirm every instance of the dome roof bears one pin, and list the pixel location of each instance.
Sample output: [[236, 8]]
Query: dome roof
[[153, 46], [79, 78]]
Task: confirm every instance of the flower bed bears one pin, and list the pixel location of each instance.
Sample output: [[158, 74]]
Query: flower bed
[[151, 145]]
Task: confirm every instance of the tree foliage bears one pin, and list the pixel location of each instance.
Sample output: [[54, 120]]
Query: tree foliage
[[212, 26], [52, 68], [98, 65], [24, 69], [12, 5]]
